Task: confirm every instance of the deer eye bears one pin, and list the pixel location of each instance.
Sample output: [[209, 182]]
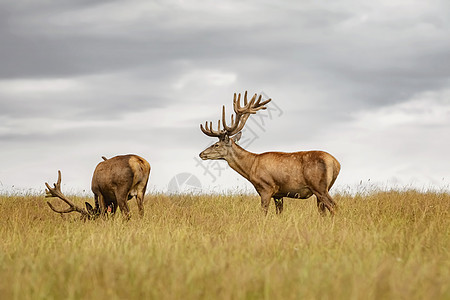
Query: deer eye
[[216, 146]]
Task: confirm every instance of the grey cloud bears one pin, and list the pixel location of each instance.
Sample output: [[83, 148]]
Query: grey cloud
[[305, 50], [81, 109]]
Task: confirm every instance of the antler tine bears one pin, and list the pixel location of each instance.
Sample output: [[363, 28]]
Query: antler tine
[[259, 100], [56, 192], [225, 126], [209, 131], [247, 105], [205, 129], [58, 182], [259, 105], [253, 106], [239, 98], [239, 124], [262, 105]]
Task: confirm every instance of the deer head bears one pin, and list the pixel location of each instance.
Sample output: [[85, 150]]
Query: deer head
[[55, 192], [230, 134]]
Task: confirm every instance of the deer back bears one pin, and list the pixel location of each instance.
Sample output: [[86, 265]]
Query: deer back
[[124, 171]]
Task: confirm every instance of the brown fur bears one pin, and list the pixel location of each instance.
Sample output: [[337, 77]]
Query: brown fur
[[119, 179], [279, 174]]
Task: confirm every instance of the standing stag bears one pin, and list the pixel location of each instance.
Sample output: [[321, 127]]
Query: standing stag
[[115, 181], [273, 174]]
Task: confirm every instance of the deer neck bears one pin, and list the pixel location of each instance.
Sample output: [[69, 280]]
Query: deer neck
[[240, 160]]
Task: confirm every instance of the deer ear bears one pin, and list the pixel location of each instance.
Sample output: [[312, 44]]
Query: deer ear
[[237, 137], [89, 208]]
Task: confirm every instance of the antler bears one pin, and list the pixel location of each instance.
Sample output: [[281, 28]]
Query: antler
[[211, 132], [56, 192], [242, 115]]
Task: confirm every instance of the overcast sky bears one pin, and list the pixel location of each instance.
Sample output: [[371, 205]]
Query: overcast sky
[[367, 81]]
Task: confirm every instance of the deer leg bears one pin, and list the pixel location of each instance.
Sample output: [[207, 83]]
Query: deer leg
[[333, 203], [114, 207], [324, 201], [278, 204], [140, 203], [265, 201], [124, 208], [96, 201], [121, 196], [321, 207], [101, 206]]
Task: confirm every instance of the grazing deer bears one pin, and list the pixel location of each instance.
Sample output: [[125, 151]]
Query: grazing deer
[[115, 181], [273, 174]]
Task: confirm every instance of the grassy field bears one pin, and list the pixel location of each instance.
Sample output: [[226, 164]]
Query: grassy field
[[383, 245]]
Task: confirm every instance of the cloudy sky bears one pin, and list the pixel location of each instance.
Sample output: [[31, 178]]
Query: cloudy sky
[[367, 81]]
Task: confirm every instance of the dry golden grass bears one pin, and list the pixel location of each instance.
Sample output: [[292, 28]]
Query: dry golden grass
[[384, 245]]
